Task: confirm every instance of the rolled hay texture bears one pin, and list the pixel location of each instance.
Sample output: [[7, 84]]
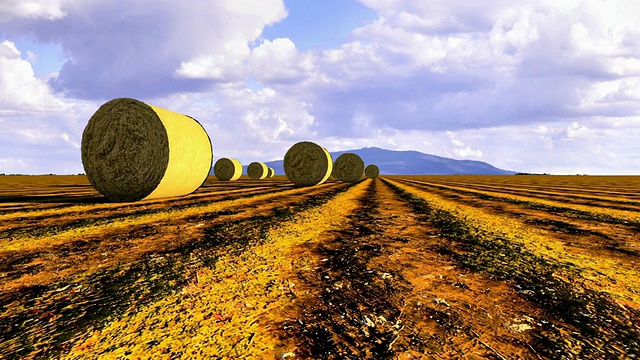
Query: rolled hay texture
[[307, 164], [227, 169], [133, 151], [257, 170], [372, 171], [348, 167], [272, 172]]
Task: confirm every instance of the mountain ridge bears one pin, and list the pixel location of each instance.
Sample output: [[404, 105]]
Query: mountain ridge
[[408, 162]]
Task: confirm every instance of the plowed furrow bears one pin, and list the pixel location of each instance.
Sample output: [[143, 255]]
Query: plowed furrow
[[609, 193], [99, 203], [618, 185], [621, 204], [606, 240], [40, 319], [48, 224], [614, 191], [45, 260], [626, 218]]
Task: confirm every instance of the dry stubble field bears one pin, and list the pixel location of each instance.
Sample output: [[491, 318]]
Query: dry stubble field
[[400, 267]]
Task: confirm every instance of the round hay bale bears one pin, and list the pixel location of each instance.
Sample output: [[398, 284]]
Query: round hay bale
[[133, 151], [307, 164], [257, 170], [272, 172], [348, 167], [372, 171], [227, 169]]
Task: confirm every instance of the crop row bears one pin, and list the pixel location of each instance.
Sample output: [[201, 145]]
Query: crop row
[[600, 213], [597, 296]]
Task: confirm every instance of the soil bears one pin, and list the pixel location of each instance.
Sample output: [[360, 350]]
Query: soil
[[399, 279]]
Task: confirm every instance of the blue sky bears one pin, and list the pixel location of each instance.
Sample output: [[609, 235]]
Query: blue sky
[[44, 58], [320, 24], [536, 86]]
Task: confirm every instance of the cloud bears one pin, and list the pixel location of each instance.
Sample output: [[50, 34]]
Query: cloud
[[40, 130], [461, 150], [279, 61], [539, 87], [147, 48], [577, 132], [22, 94], [451, 65], [246, 124], [32, 9]]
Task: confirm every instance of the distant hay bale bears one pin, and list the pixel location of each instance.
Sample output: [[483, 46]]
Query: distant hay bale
[[272, 172], [133, 151], [227, 169], [257, 170], [372, 171], [307, 164], [348, 167]]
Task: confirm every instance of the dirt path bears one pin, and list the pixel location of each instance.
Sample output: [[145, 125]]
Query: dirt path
[[382, 291]]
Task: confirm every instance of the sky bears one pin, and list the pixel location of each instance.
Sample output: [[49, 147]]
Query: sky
[[531, 86]]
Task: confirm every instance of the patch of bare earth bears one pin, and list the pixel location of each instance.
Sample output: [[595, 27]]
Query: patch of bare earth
[[379, 291]]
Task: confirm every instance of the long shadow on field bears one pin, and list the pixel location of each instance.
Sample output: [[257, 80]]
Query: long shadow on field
[[355, 316], [42, 321]]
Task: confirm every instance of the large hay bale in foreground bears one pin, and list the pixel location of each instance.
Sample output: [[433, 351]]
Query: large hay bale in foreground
[[257, 170], [307, 164], [133, 151], [348, 167], [372, 171], [272, 172], [227, 169]]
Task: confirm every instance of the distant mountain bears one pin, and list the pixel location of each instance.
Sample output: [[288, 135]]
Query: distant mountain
[[394, 162]]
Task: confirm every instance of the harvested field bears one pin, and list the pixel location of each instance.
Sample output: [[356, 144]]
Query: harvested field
[[397, 267]]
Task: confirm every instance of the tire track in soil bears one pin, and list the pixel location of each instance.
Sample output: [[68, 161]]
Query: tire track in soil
[[383, 290], [41, 321]]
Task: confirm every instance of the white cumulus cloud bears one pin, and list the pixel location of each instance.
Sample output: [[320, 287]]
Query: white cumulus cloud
[[21, 93], [47, 9]]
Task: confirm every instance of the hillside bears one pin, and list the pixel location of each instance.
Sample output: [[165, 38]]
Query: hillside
[[393, 162]]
